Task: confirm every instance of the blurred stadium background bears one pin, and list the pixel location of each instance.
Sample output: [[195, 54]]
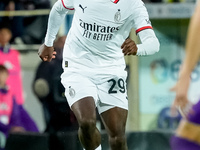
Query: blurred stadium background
[[149, 81]]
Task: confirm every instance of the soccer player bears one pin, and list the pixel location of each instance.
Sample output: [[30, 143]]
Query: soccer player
[[188, 133], [93, 62]]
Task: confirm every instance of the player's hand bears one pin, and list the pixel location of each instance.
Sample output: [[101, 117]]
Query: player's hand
[[129, 47], [181, 98], [181, 90], [46, 53]]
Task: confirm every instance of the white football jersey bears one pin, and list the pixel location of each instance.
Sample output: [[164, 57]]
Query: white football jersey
[[98, 30]]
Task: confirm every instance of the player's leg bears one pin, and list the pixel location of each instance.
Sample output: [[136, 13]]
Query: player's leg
[[82, 97], [113, 109], [114, 121], [85, 113]]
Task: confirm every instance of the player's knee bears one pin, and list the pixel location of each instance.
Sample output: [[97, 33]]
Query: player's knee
[[117, 140], [87, 124]]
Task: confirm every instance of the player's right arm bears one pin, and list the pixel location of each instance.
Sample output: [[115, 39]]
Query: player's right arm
[[190, 61], [56, 17]]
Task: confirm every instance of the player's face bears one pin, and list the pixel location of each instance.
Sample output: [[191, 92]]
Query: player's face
[[3, 78]]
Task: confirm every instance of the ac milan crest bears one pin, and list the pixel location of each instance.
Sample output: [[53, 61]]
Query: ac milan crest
[[71, 92], [117, 16]]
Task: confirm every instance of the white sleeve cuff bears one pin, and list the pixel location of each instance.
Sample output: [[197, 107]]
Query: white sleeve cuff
[[149, 43]]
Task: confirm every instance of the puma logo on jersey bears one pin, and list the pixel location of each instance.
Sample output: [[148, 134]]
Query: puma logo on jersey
[[82, 7]]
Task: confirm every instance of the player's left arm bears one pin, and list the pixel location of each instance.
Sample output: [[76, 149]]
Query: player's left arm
[[149, 44], [142, 25]]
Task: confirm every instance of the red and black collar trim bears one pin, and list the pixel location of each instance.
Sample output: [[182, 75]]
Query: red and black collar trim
[[115, 1]]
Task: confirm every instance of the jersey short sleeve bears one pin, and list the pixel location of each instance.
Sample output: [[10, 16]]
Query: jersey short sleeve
[[140, 16], [68, 4]]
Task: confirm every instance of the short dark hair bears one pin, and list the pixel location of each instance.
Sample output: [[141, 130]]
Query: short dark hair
[[3, 68]]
